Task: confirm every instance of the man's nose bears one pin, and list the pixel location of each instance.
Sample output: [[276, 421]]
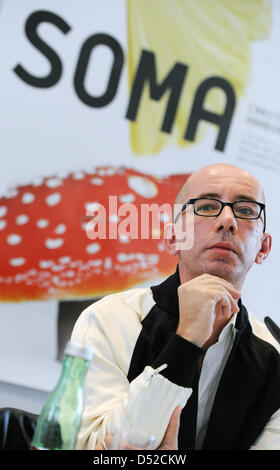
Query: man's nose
[[226, 220]]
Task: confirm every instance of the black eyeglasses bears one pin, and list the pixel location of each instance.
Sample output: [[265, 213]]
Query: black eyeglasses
[[209, 207]]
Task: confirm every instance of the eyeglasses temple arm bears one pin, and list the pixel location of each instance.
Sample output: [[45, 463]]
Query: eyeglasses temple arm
[[264, 220], [182, 210]]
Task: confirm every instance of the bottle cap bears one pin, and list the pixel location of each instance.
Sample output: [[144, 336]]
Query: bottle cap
[[74, 349]]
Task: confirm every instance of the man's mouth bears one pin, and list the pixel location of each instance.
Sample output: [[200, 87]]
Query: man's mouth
[[223, 247]]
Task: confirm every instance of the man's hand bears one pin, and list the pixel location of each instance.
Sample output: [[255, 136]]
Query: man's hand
[[206, 304], [169, 442]]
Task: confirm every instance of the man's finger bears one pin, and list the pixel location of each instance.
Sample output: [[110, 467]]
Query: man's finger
[[108, 441], [99, 447], [170, 440]]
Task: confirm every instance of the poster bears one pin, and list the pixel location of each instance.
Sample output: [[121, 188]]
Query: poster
[[122, 99]]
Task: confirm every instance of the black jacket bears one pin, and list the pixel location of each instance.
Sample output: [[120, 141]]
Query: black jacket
[[249, 390]]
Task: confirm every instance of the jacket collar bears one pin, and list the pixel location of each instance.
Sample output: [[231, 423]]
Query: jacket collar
[[165, 295]]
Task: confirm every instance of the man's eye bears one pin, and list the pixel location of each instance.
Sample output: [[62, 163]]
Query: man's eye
[[207, 208], [246, 211]]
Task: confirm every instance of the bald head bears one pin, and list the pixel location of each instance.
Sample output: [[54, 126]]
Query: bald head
[[222, 171]]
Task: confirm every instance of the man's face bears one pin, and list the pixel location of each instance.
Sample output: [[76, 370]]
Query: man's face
[[245, 240]]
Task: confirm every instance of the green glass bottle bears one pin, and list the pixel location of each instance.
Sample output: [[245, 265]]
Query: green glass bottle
[[59, 422]]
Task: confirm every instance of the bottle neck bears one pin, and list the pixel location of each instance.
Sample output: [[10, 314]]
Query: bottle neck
[[74, 369]]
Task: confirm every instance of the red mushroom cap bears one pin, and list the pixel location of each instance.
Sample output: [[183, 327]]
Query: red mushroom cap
[[46, 251]]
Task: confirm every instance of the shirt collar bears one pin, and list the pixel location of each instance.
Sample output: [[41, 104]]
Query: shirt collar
[[230, 327]]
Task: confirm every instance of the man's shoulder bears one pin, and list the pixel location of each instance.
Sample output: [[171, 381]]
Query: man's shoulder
[[138, 300], [116, 319], [261, 331]]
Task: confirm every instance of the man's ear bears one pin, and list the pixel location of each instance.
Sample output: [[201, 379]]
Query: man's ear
[[265, 248], [170, 239]]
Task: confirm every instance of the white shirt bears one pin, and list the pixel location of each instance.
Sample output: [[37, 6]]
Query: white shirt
[[211, 371]]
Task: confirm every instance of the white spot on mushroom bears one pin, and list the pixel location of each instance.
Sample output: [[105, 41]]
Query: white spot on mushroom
[[17, 261], [95, 262], [60, 229], [70, 274], [93, 248], [89, 229], [3, 224], [57, 267], [53, 199], [45, 264], [64, 259], [108, 263], [21, 219], [19, 277], [91, 207], [114, 218], [96, 181], [127, 198], [3, 211], [53, 243], [122, 257], [38, 181], [106, 171], [53, 182], [55, 280], [10, 193], [13, 239], [153, 259], [164, 217], [27, 198], [90, 170], [62, 283], [78, 175], [143, 186], [75, 264], [42, 223], [124, 238]]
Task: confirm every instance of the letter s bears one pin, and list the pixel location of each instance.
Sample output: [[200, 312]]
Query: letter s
[[33, 21]]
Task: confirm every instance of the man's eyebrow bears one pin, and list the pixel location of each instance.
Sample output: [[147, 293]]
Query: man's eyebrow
[[238, 197], [215, 195], [245, 197]]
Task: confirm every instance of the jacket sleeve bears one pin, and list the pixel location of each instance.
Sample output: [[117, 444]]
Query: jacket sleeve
[[150, 398], [269, 439]]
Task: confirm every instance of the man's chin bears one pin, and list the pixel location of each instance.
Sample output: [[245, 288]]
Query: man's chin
[[222, 269]]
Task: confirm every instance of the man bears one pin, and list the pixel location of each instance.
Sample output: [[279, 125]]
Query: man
[[188, 343]]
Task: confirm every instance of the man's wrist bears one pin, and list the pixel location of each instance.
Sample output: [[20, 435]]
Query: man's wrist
[[188, 336]]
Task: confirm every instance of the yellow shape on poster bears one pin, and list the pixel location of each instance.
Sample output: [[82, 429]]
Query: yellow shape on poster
[[211, 37]]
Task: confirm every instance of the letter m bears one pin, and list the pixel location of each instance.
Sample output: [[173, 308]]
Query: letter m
[[173, 82]]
